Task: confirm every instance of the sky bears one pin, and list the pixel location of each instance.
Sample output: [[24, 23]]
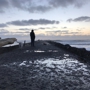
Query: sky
[[50, 19]]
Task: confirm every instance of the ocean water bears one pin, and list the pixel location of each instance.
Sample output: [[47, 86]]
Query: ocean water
[[76, 43]]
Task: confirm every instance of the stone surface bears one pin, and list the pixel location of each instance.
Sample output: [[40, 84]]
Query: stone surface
[[43, 67]]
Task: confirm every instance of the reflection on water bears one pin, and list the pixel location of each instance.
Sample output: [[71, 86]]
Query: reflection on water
[[38, 51], [67, 70]]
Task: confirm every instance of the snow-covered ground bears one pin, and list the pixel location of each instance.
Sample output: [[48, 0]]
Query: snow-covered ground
[[63, 74]]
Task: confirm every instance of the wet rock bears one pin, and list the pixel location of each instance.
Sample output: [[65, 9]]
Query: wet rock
[[82, 53], [67, 46]]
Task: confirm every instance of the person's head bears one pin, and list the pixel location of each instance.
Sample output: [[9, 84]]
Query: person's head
[[32, 30]]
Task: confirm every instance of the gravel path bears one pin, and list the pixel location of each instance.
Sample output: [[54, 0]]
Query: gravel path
[[43, 67]]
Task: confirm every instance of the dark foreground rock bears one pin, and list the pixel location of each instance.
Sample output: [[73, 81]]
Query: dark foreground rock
[[43, 67], [8, 49]]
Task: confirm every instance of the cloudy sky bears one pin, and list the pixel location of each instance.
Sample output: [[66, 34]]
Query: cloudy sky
[[50, 19]]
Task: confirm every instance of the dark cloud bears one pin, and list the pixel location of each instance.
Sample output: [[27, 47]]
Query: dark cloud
[[41, 28], [64, 27], [33, 22], [26, 5], [18, 3], [65, 3], [1, 11], [27, 30], [33, 6], [47, 28], [58, 31], [24, 29], [39, 9], [80, 19], [4, 4], [72, 33], [69, 20], [21, 32], [3, 25]]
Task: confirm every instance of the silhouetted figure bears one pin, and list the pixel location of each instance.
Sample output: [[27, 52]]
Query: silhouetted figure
[[32, 35]]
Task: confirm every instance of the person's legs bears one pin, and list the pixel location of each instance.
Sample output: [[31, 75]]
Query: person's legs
[[32, 42]]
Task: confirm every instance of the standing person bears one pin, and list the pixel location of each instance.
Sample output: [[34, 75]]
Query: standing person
[[32, 35]]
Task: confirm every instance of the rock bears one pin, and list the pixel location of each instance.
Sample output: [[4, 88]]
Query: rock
[[45, 43], [82, 53], [67, 46], [7, 41]]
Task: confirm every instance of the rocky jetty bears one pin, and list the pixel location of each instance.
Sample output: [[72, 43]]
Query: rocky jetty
[[47, 66], [82, 53]]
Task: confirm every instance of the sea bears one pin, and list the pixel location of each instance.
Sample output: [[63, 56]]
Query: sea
[[76, 43]]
